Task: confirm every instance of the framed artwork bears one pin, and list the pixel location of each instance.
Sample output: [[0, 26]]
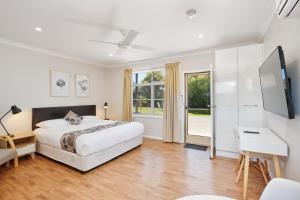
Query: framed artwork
[[82, 85], [60, 84]]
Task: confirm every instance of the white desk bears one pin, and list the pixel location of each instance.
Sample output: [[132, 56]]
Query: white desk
[[266, 143]]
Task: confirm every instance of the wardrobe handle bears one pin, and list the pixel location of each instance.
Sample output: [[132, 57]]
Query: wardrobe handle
[[254, 105]]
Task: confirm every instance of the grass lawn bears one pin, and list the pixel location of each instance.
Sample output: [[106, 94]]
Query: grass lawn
[[148, 111], [158, 111], [197, 114]]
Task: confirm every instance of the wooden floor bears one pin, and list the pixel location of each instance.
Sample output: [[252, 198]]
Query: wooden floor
[[155, 170]]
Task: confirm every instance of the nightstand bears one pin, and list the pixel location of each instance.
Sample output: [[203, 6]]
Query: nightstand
[[25, 143]]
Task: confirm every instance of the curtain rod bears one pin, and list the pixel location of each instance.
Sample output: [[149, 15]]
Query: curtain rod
[[150, 68]]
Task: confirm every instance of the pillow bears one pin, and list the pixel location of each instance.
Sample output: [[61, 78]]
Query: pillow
[[52, 123], [89, 118], [73, 118]]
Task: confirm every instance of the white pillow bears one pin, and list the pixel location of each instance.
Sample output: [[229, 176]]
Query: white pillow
[[52, 123], [89, 118]]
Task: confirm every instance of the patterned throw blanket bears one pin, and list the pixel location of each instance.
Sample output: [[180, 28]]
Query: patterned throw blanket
[[68, 140]]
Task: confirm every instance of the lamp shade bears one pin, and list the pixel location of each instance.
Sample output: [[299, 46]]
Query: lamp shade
[[105, 105], [15, 110]]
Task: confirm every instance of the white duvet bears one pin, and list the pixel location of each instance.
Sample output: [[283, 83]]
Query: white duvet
[[92, 142]]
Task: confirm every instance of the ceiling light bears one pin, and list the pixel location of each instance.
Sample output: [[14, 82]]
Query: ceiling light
[[111, 55], [191, 13], [200, 36], [38, 29]]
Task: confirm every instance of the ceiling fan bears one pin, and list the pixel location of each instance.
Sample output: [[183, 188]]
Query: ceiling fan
[[126, 43]]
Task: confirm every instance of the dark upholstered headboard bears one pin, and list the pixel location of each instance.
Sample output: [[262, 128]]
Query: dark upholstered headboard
[[42, 114]]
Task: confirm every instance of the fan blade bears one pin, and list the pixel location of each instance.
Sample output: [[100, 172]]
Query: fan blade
[[138, 47], [131, 35], [104, 42]]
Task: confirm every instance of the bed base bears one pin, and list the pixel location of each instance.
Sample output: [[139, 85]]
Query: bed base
[[86, 163]]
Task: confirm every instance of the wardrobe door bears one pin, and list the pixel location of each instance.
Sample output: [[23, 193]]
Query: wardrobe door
[[226, 111], [249, 92]]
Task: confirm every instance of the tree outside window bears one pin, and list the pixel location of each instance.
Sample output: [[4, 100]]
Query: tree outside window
[[148, 92]]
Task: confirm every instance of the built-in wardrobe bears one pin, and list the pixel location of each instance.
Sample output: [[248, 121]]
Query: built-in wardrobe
[[238, 100]]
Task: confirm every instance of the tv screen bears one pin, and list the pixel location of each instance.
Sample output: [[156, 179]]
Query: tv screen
[[275, 85]]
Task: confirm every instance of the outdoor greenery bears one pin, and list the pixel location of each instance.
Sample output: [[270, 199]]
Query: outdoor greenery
[[153, 76], [199, 94], [148, 110], [157, 111], [144, 82], [199, 112]]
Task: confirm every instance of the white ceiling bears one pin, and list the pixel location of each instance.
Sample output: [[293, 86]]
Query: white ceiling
[[69, 24]]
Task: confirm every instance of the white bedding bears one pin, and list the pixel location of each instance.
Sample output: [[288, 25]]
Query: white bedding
[[90, 143]]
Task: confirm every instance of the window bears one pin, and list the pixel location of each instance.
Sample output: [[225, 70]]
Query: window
[[148, 92]]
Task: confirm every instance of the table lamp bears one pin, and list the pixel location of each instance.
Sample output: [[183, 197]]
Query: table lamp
[[15, 110], [105, 110]]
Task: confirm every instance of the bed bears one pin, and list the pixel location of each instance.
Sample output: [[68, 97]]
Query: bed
[[92, 149]]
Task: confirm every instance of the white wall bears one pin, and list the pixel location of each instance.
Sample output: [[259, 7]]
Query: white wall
[[287, 34], [25, 81], [154, 126]]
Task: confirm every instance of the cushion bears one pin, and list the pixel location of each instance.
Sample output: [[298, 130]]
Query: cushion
[[73, 118], [7, 155], [52, 123]]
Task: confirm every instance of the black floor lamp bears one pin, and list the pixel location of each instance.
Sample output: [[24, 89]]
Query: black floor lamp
[[105, 110], [15, 110]]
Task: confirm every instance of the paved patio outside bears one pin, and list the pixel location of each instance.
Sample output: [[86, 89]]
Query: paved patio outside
[[199, 125]]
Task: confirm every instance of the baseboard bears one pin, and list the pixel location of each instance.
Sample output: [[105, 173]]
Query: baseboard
[[152, 137], [227, 154]]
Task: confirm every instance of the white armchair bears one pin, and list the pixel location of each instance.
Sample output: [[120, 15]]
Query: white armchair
[[280, 188], [8, 154]]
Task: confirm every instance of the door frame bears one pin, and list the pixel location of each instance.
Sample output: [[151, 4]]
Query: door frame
[[212, 111], [186, 74]]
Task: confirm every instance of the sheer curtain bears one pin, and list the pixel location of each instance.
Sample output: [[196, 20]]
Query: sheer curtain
[[171, 103], [127, 95]]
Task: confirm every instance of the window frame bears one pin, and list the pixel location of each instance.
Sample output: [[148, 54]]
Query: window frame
[[152, 85]]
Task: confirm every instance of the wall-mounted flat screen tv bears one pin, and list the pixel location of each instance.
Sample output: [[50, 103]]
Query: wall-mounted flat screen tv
[[276, 86]]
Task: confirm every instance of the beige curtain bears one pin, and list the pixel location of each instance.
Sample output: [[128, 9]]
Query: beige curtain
[[127, 95], [171, 105]]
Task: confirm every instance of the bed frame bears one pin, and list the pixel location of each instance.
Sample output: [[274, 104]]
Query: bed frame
[[82, 163], [47, 113]]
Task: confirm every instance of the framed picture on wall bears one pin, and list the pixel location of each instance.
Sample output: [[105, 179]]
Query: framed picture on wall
[[60, 84], [82, 85]]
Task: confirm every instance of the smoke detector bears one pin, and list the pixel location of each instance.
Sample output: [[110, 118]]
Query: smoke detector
[[191, 13]]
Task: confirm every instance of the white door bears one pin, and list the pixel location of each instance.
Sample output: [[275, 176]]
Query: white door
[[249, 92], [226, 99]]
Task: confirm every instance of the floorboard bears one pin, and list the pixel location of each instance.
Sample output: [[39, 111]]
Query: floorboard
[[155, 170]]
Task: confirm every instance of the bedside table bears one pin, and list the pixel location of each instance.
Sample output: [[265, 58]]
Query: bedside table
[[25, 143]]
